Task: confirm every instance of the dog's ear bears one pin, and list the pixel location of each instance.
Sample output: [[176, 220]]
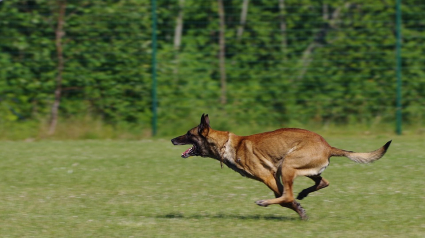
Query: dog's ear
[[204, 126], [207, 120]]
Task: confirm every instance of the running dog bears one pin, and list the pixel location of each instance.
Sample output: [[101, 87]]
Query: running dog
[[275, 158]]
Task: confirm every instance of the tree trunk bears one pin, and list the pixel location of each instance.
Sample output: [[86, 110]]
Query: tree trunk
[[60, 66], [243, 19], [319, 38], [179, 27], [284, 44], [177, 40], [222, 54]]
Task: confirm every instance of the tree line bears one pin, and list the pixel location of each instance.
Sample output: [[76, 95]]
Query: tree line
[[272, 61]]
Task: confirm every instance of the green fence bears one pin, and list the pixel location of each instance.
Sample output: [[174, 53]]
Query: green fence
[[267, 63]]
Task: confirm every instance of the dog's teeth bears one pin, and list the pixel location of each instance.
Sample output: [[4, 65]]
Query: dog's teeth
[[184, 154]]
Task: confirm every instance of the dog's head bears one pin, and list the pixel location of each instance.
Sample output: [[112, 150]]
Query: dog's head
[[197, 137]]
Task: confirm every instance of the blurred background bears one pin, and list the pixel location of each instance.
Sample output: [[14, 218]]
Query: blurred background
[[133, 69]]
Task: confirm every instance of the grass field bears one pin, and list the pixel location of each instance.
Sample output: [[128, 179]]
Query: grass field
[[109, 188]]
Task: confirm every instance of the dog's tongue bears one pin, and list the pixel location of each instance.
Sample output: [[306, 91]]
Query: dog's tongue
[[186, 153]]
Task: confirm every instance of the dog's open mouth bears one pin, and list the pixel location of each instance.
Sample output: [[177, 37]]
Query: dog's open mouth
[[189, 152]]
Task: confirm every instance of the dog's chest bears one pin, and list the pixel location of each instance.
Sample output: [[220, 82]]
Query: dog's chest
[[229, 158]]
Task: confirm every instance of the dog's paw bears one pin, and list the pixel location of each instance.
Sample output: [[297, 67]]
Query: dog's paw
[[300, 210], [262, 203], [304, 217]]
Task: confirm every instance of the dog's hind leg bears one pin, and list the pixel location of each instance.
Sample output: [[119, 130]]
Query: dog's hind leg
[[288, 176], [277, 188], [319, 184], [274, 185]]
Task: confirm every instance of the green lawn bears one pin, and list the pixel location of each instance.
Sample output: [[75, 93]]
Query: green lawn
[[144, 189]]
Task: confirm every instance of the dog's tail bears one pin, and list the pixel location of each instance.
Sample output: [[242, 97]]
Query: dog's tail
[[363, 158]]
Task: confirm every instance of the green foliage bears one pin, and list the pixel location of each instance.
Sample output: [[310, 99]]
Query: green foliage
[[334, 62], [106, 59]]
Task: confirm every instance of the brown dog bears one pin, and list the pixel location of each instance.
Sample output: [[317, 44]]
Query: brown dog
[[269, 157]]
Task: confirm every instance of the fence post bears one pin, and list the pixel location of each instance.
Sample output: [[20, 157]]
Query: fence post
[[398, 67], [154, 46]]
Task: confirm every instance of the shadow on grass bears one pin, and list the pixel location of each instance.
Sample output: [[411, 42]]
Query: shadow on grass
[[226, 216]]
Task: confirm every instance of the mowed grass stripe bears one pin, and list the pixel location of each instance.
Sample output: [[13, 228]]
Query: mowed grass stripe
[[144, 189]]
